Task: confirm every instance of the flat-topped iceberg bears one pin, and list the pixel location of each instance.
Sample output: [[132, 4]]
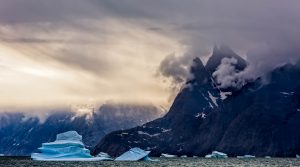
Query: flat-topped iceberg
[[216, 154], [68, 146], [134, 154]]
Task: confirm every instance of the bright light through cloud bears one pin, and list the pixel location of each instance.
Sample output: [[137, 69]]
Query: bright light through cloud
[[120, 65]]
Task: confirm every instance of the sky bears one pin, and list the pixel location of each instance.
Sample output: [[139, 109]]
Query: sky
[[64, 52]]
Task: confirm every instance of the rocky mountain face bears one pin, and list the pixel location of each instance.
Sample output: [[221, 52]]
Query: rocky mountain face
[[21, 135], [259, 119]]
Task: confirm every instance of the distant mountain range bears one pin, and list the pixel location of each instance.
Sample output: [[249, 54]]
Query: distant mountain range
[[261, 119], [20, 135]]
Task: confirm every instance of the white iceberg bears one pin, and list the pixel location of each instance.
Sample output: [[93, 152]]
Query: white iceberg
[[134, 154], [297, 156], [183, 156], [168, 156], [68, 146], [268, 157], [216, 154], [246, 156]]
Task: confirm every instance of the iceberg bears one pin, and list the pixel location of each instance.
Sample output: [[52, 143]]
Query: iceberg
[[216, 154], [246, 156], [297, 156], [168, 156], [1, 155], [68, 146], [134, 154], [183, 156], [268, 157], [103, 155]]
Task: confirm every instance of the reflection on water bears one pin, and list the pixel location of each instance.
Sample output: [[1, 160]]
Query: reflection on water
[[263, 162]]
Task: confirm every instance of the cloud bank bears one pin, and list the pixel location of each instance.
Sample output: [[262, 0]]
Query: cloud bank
[[74, 51]]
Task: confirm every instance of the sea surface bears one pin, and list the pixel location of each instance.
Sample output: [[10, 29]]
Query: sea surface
[[163, 162]]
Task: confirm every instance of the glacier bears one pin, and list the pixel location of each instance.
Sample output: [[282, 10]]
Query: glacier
[[134, 154], [216, 154], [68, 146]]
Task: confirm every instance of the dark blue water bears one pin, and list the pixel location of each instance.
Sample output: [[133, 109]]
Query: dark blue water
[[164, 162]]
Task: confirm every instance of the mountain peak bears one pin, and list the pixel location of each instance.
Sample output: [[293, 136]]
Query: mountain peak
[[223, 51], [199, 72]]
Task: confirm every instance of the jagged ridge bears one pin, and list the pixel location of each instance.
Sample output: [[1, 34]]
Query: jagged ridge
[[258, 119]]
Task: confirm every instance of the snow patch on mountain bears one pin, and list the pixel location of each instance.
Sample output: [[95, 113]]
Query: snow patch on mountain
[[213, 99], [145, 133], [201, 114], [287, 93], [165, 130], [224, 95]]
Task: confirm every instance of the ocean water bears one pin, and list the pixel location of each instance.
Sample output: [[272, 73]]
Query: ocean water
[[164, 162]]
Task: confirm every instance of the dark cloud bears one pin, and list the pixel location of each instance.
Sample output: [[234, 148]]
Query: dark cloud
[[262, 27], [95, 64], [31, 40], [175, 67], [25, 40], [16, 12]]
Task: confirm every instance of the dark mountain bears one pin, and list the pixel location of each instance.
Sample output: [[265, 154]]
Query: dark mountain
[[259, 119], [21, 135]]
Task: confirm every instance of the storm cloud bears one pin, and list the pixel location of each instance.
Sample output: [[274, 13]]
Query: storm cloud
[[76, 50]]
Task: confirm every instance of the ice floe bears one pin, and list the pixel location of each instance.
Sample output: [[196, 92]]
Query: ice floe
[[246, 156], [104, 155], [216, 154], [168, 156]]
